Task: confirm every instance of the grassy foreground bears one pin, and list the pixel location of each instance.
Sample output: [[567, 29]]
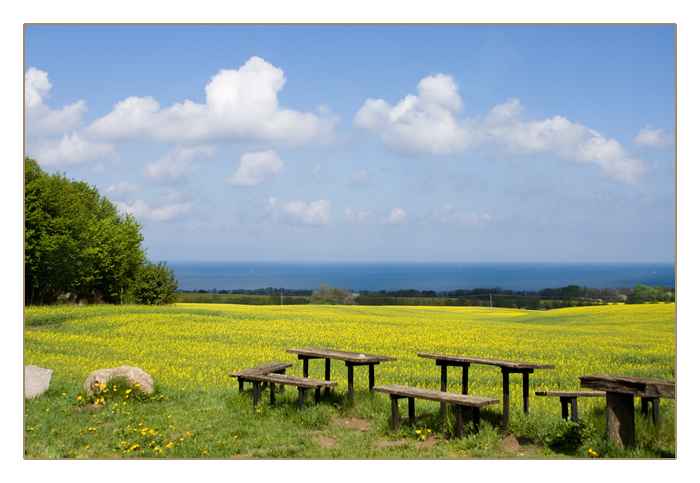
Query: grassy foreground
[[196, 410]]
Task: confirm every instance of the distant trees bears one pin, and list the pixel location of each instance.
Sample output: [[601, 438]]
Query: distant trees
[[327, 295], [642, 295], [77, 247]]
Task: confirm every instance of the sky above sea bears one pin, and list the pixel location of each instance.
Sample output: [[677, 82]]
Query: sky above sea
[[510, 143]]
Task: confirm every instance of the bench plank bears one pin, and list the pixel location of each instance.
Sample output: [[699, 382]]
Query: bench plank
[[440, 396], [571, 393], [266, 368], [304, 382]]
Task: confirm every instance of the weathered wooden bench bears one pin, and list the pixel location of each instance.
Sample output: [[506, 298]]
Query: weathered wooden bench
[[570, 398], [460, 401], [302, 383], [267, 368]]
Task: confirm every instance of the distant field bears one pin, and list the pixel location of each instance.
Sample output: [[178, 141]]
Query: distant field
[[194, 346]]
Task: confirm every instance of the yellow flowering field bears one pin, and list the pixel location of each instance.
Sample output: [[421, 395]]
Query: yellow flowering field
[[197, 346]]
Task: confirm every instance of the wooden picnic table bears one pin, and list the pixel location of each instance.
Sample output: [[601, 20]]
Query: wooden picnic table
[[620, 392], [351, 360], [507, 368]]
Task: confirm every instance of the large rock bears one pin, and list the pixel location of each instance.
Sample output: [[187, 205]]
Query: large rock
[[36, 381], [133, 376]]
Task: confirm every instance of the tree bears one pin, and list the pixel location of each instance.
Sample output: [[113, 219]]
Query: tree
[[327, 295], [77, 246], [153, 285]]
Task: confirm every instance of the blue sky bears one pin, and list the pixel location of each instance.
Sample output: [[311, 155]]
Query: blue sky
[[364, 142]]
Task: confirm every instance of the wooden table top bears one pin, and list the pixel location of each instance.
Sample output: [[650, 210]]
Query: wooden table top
[[347, 356], [637, 386], [491, 362]]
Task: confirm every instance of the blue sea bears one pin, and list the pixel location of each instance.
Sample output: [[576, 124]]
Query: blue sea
[[438, 276]]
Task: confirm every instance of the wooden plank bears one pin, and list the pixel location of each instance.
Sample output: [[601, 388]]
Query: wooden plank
[[637, 386], [571, 393], [262, 368], [433, 395], [481, 360], [302, 382], [347, 356]]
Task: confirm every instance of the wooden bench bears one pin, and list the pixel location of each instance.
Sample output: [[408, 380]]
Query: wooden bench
[[459, 400], [302, 383], [267, 368], [570, 398]]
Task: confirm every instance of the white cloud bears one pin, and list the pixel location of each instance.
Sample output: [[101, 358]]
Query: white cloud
[[241, 106], [122, 191], [40, 119], [255, 167], [360, 217], [71, 149], [449, 215], [163, 209], [419, 124], [360, 178], [396, 217], [175, 166], [427, 124], [314, 213], [656, 138]]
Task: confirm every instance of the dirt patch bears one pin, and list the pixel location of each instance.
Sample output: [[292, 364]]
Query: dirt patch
[[324, 442], [427, 443], [244, 456], [518, 445], [359, 425], [386, 444]]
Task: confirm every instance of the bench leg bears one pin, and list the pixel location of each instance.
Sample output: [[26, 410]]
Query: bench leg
[[459, 430], [654, 408], [574, 409], [240, 384], [411, 409], [394, 413], [272, 393], [302, 396], [476, 418]]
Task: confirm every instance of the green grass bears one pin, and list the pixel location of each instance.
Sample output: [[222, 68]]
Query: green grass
[[181, 420]]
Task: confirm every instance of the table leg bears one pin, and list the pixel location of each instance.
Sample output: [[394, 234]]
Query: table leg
[[411, 408], [459, 430], [257, 390], [443, 388], [351, 391], [306, 367], [302, 396], [371, 376], [465, 379], [475, 418], [526, 392], [574, 409], [272, 393], [565, 407], [328, 375], [506, 400], [619, 412]]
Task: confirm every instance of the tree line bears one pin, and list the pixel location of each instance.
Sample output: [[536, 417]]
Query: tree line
[[78, 248]]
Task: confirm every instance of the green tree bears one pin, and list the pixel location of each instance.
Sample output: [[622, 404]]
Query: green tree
[[153, 285], [77, 246]]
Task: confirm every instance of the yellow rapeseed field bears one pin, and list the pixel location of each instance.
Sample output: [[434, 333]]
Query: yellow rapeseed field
[[197, 345]]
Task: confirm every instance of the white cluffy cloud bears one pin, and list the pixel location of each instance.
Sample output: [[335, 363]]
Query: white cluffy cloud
[[241, 106], [255, 167], [449, 215], [396, 217], [314, 213], [176, 166], [656, 138], [165, 208], [427, 124]]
